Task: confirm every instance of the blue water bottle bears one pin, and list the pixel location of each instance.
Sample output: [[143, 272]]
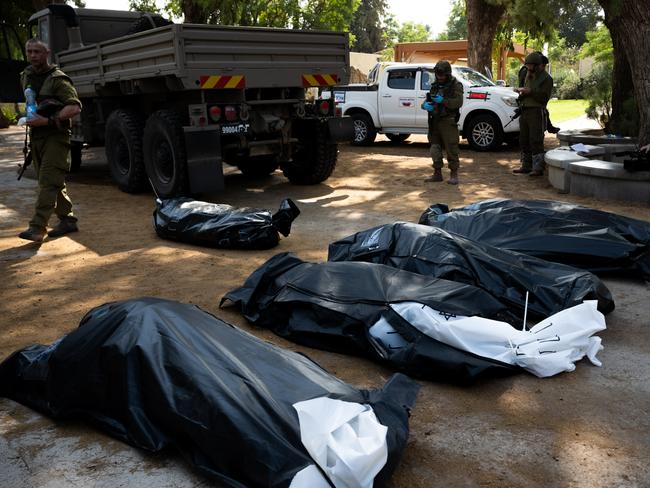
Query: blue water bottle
[[30, 102]]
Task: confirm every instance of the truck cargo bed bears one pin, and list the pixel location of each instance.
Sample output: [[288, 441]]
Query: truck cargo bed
[[188, 53]]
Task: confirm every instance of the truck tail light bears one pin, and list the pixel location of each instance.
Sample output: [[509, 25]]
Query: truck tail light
[[324, 107], [215, 113], [231, 113]]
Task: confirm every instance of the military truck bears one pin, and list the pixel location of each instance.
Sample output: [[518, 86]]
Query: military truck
[[172, 102]]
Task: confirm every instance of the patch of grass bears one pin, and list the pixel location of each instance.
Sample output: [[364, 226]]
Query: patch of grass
[[562, 110]]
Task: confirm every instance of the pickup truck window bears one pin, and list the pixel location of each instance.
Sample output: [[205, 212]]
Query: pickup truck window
[[474, 77], [426, 80], [402, 79]]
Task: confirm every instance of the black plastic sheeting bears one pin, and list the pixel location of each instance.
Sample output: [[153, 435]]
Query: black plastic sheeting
[[219, 225], [506, 275], [333, 305], [156, 373], [556, 231]]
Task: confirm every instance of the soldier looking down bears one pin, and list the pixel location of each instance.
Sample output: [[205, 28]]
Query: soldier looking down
[[443, 104]]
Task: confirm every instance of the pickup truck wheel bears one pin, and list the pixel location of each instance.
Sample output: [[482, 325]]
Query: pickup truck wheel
[[484, 133], [258, 166], [75, 156], [397, 138], [313, 162], [164, 154], [123, 139], [364, 130]]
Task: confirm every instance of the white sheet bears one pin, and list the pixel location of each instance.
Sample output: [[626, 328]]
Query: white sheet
[[550, 347], [345, 439]]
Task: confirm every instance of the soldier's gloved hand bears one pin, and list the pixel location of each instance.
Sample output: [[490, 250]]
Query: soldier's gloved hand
[[428, 106], [437, 99]]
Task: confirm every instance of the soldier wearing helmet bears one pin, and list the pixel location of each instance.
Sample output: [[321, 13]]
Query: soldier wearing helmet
[[533, 97], [443, 104]]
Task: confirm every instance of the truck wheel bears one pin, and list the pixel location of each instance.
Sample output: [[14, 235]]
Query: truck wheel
[[164, 154], [364, 130], [75, 156], [484, 133], [313, 162], [257, 166], [124, 150], [397, 138]]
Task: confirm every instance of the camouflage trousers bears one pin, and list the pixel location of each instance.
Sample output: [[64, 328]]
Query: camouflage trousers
[[531, 137], [443, 134], [51, 158]]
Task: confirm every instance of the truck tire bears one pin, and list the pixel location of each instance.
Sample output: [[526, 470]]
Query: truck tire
[[364, 130], [484, 133], [75, 156], [313, 162], [164, 154], [257, 166], [397, 138], [123, 139]]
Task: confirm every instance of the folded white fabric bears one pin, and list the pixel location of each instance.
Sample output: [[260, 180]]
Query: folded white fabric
[[345, 439], [550, 347]]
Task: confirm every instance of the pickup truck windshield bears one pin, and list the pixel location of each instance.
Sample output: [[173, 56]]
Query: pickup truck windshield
[[474, 77]]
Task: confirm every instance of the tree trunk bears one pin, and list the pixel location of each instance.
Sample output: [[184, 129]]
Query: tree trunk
[[482, 22], [629, 24], [193, 12]]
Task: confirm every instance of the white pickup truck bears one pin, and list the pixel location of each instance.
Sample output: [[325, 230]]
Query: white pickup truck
[[390, 104]]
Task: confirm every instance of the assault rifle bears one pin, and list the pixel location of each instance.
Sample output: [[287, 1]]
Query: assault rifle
[[514, 116], [27, 156]]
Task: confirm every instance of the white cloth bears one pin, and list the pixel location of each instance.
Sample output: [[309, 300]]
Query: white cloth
[[550, 347], [345, 439]]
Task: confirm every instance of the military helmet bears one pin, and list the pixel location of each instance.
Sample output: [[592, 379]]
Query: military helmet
[[442, 68], [534, 58]]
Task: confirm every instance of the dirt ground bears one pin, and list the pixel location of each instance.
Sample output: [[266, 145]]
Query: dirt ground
[[587, 428]]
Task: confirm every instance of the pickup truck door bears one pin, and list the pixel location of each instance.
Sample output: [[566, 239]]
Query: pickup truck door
[[397, 98]]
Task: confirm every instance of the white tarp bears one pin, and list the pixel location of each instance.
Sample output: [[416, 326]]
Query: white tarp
[[550, 347], [345, 439]]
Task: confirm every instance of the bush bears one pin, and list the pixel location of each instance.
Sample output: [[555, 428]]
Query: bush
[[568, 86], [8, 116], [598, 91]]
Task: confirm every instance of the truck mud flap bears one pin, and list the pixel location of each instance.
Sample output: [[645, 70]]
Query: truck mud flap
[[340, 129], [203, 150]]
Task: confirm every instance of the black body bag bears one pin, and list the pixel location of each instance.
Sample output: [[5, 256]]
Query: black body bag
[[506, 275], [219, 225], [335, 306], [556, 231], [156, 374]]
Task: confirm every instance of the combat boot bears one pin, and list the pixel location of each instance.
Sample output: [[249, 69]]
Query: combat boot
[[35, 234], [436, 176], [526, 164], [65, 226], [453, 177], [538, 165]]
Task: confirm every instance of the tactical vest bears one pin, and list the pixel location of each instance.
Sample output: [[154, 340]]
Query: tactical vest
[[46, 92], [447, 90]]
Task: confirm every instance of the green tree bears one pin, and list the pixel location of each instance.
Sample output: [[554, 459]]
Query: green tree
[[575, 24], [413, 32], [367, 28], [457, 23]]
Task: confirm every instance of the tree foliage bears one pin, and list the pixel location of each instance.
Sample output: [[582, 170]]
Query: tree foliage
[[413, 32], [367, 26], [457, 23]]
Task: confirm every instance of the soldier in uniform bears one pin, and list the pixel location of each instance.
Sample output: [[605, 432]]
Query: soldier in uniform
[[533, 97], [50, 142], [522, 80], [443, 104]]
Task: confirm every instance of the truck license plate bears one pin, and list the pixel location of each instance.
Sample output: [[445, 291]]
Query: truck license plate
[[231, 129]]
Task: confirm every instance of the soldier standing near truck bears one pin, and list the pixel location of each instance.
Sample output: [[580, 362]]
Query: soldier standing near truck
[[50, 141], [533, 97], [443, 104]]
